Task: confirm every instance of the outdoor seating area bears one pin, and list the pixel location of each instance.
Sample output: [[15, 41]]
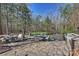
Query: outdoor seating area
[[46, 29]]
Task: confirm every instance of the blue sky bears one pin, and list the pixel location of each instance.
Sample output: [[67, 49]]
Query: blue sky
[[44, 8]]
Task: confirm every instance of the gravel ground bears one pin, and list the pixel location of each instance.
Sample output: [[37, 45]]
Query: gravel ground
[[52, 48]]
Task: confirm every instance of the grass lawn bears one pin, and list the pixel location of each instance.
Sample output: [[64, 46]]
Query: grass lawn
[[39, 33]]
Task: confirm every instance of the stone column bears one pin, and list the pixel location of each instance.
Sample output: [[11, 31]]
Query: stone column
[[70, 44]]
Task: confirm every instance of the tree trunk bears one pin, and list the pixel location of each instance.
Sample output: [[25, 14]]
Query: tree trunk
[[7, 20], [24, 28], [0, 20]]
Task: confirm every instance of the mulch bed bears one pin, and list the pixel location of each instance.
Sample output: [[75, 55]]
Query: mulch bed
[[75, 52]]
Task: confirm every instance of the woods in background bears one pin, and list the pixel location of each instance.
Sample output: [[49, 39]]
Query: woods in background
[[17, 18]]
